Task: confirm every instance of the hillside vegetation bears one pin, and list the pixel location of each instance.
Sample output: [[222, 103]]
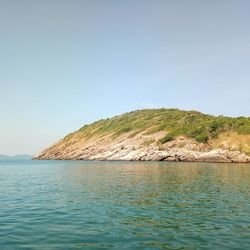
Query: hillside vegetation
[[192, 124]]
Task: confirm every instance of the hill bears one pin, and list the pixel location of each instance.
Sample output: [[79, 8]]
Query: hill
[[158, 134]]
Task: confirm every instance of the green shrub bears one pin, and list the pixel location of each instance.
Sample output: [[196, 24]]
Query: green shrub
[[166, 138], [193, 132], [244, 129], [215, 125], [202, 138]]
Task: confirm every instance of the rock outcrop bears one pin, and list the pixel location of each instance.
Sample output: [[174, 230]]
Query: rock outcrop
[[140, 148]]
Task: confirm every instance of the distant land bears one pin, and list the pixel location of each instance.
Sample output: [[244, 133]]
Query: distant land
[[158, 135], [15, 157]]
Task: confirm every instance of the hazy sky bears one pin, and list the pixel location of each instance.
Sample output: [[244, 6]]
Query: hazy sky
[[67, 63]]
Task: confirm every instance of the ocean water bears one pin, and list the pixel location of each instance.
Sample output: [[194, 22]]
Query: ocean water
[[124, 205]]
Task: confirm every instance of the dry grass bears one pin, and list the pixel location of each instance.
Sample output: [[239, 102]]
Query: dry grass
[[233, 141]]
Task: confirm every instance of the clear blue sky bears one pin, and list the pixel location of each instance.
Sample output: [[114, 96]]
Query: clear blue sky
[[67, 63]]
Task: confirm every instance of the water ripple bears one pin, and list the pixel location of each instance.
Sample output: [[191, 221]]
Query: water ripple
[[121, 205]]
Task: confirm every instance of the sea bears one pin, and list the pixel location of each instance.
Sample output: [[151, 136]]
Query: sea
[[124, 205]]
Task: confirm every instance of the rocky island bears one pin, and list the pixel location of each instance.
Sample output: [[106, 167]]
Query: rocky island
[[157, 135]]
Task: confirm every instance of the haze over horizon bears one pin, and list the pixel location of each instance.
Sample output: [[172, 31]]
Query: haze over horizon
[[68, 63]]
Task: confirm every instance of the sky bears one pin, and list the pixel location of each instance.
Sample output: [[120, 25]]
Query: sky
[[66, 63]]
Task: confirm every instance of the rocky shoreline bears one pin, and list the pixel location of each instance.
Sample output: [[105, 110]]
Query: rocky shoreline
[[135, 149]]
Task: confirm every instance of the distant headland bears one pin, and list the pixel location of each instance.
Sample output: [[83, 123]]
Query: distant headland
[[15, 157], [158, 135]]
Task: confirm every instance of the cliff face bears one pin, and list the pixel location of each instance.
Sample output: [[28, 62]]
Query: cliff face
[[160, 135]]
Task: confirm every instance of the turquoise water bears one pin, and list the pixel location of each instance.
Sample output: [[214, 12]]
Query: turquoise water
[[124, 205]]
